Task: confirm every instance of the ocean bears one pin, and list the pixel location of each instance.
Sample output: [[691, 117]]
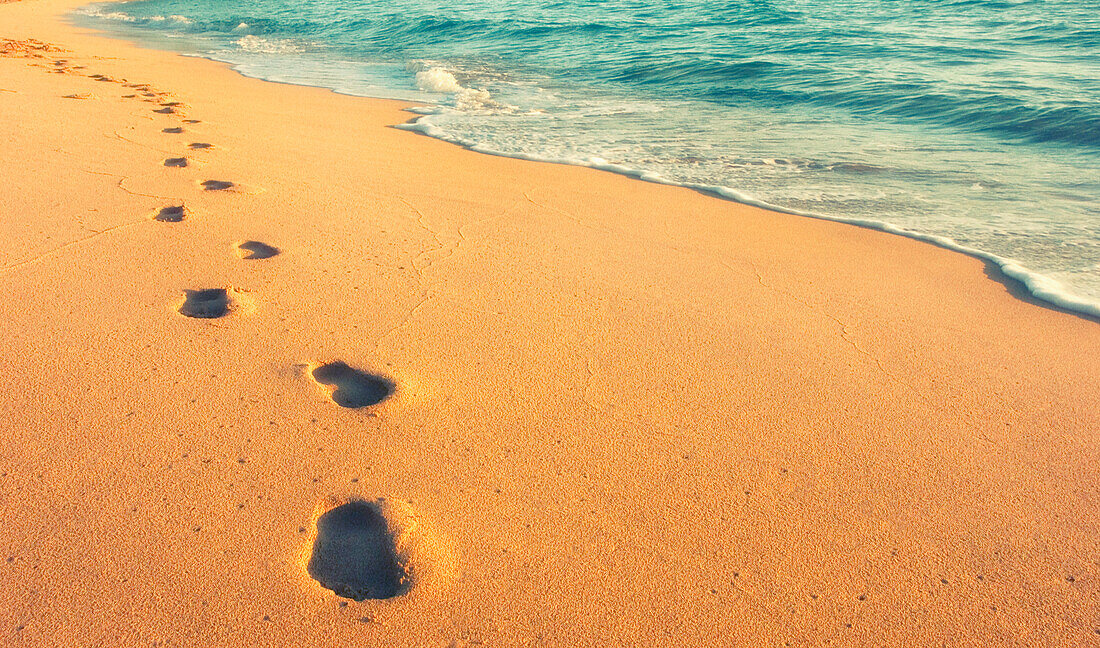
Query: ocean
[[974, 124]]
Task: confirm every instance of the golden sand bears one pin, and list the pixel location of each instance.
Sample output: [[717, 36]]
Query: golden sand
[[561, 407]]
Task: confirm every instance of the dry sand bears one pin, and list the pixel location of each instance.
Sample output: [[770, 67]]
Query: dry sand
[[607, 413]]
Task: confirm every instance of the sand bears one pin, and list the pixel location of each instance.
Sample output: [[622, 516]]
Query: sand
[[532, 405]]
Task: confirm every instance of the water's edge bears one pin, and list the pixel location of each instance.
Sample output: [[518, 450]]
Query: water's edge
[[1020, 281]]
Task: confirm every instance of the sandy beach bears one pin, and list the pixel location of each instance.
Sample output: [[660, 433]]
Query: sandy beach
[[575, 409]]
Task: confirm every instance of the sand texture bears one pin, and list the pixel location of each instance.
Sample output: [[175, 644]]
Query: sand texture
[[255, 339]]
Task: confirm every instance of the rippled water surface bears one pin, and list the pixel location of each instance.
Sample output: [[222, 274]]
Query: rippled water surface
[[974, 121]]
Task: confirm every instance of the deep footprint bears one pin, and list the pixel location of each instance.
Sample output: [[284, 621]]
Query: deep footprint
[[175, 130], [354, 554], [174, 214], [353, 388], [255, 250], [217, 185], [175, 162], [167, 110], [205, 304], [200, 145]]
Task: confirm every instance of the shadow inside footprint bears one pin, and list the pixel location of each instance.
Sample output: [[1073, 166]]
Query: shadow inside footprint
[[167, 110], [200, 145], [175, 162], [205, 304], [173, 214], [354, 554], [255, 250], [217, 185], [175, 130], [353, 388]]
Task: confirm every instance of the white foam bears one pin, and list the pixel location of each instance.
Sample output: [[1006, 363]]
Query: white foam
[[471, 100], [437, 80], [1038, 285], [265, 46], [97, 12]]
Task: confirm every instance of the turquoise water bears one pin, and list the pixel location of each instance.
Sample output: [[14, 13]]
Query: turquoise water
[[975, 124]]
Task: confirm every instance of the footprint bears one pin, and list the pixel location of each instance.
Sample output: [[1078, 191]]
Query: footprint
[[167, 110], [217, 185], [251, 250], [80, 96], [209, 303], [354, 554], [175, 130], [353, 388], [175, 162], [171, 104], [174, 214], [192, 121], [200, 145]]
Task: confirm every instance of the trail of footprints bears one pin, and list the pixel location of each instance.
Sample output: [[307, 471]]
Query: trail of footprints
[[345, 385], [359, 549], [354, 551]]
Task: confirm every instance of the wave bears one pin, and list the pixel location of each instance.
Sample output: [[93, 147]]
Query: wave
[[441, 81], [967, 122], [1009, 114], [260, 45]]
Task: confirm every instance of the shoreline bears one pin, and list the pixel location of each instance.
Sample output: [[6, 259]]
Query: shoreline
[[1039, 288], [237, 306]]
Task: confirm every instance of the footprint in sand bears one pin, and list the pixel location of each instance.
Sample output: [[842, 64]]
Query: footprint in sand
[[209, 303], [351, 387], [217, 185], [192, 121], [251, 250], [173, 214], [199, 146], [167, 110], [175, 130], [176, 162], [354, 554]]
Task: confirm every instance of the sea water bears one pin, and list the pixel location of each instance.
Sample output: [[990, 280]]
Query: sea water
[[971, 123]]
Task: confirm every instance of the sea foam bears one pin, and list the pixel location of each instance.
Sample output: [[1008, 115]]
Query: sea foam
[[262, 45], [437, 80]]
